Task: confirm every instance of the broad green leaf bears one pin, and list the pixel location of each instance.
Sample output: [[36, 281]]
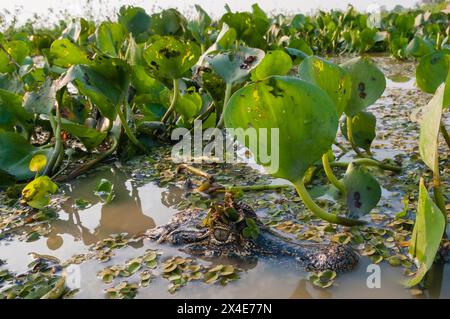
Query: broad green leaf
[[368, 84], [331, 78], [189, 104], [18, 50], [65, 53], [301, 45], [105, 190], [362, 191], [90, 137], [363, 129], [12, 113], [104, 82], [42, 101], [109, 38], [234, 66], [427, 234], [429, 129], [37, 192], [304, 115], [11, 83], [419, 47], [16, 154], [136, 21], [144, 83], [170, 58], [274, 63], [296, 55], [167, 22], [432, 70], [37, 163]]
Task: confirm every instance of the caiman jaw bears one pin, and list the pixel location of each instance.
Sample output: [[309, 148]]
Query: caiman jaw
[[312, 256]]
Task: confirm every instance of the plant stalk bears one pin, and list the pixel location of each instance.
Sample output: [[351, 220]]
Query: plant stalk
[[225, 102], [329, 173], [350, 137], [445, 134], [172, 103], [320, 212], [369, 162], [437, 191], [128, 131]]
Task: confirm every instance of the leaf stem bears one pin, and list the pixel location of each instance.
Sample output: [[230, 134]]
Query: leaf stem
[[128, 131], [437, 191], [80, 170], [369, 162], [445, 134], [172, 103], [253, 187], [320, 212], [329, 173], [225, 102], [56, 126], [350, 137]]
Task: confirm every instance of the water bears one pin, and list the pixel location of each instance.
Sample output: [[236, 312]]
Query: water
[[139, 208]]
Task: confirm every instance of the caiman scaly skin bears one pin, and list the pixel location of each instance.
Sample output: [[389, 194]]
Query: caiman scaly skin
[[186, 229]]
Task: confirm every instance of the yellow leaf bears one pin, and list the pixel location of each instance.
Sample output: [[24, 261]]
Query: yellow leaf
[[38, 162]]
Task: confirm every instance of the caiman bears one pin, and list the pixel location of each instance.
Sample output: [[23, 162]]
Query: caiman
[[220, 232]]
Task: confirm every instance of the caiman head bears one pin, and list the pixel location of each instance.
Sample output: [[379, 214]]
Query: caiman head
[[233, 230]]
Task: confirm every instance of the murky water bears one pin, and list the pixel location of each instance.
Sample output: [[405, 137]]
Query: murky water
[[139, 208]]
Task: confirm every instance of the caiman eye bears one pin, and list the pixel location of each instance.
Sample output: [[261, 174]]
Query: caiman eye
[[221, 234]]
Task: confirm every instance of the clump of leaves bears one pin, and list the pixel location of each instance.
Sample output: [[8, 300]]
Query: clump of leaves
[[221, 273], [323, 279], [149, 261], [179, 271], [124, 290]]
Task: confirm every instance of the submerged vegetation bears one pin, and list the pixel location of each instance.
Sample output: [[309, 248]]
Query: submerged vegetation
[[83, 93]]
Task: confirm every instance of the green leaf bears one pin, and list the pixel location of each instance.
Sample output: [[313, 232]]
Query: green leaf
[[362, 191], [429, 129], [234, 66], [304, 114], [211, 277], [136, 21], [42, 101], [419, 47], [432, 70], [16, 153], [167, 22], [12, 113], [90, 138], [37, 192], [363, 126], [189, 104], [65, 53], [330, 77], [274, 63], [18, 50], [170, 58], [109, 38], [368, 84], [144, 83], [427, 234], [104, 82], [105, 190]]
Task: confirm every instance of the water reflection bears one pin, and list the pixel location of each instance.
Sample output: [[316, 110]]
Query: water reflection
[[125, 214]]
